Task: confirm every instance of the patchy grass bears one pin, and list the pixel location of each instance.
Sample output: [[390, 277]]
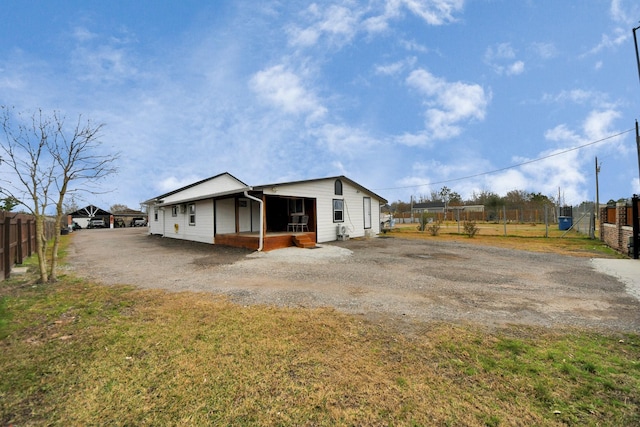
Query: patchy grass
[[531, 237], [76, 353]]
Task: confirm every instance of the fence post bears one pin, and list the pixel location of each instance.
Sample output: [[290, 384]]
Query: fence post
[[30, 233], [7, 247], [19, 254], [636, 225]]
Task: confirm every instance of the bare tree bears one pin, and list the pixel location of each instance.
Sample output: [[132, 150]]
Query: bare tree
[[119, 208], [50, 160]]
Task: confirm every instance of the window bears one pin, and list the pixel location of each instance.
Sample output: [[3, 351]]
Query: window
[[192, 214], [337, 187], [155, 214], [174, 210], [338, 210], [296, 207]]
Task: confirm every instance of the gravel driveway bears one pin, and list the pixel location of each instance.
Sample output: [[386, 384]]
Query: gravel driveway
[[410, 281]]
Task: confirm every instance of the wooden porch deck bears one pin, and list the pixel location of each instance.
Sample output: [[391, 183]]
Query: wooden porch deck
[[271, 240]]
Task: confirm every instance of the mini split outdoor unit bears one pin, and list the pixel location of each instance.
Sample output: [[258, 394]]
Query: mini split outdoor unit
[[341, 230]]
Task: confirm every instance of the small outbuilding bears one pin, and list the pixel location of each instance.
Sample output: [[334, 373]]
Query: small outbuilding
[[224, 210], [86, 214]]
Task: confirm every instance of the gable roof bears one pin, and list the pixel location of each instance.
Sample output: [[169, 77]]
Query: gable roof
[[89, 211], [159, 199], [331, 178]]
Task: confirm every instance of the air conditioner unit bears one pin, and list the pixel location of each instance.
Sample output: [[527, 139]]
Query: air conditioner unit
[[341, 231]]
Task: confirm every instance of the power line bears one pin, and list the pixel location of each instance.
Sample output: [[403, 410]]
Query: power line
[[507, 167]]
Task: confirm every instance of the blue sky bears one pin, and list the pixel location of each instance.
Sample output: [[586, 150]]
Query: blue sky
[[402, 96]]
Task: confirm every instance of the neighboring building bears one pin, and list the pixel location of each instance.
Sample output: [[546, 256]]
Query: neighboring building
[[122, 218], [453, 212], [86, 214], [225, 210], [130, 218], [427, 207]]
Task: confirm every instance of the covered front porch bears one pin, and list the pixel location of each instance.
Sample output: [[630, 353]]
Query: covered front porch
[[272, 240]]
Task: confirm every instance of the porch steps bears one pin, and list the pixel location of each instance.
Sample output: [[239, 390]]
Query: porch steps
[[303, 241]]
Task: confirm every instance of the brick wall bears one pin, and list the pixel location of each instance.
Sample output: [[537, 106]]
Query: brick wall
[[617, 235]]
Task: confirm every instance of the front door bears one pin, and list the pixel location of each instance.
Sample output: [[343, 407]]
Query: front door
[[367, 212]]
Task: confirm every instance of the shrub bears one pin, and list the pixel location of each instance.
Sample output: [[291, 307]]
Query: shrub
[[434, 227], [470, 228], [428, 222], [424, 220]]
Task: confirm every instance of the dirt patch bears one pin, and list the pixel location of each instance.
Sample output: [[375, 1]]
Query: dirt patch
[[401, 280]]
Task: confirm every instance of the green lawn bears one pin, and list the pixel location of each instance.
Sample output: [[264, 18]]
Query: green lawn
[[76, 353]]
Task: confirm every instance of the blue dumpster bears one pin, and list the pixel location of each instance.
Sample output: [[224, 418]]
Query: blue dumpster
[[565, 222]]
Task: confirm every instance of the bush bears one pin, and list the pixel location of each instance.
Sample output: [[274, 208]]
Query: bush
[[425, 219], [470, 228], [434, 228], [428, 222]]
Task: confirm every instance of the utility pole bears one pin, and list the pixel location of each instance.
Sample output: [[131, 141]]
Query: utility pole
[[638, 145], [597, 210], [635, 41]]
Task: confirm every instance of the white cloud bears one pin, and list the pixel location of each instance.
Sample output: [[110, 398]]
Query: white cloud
[[562, 133], [414, 46], [340, 23], [103, 59], [595, 99], [499, 51], [413, 139], [515, 68], [448, 103], [501, 58], [565, 170], [283, 89], [171, 183], [598, 124], [396, 67], [82, 34], [545, 50], [625, 12], [344, 140], [337, 23], [610, 41], [433, 12]]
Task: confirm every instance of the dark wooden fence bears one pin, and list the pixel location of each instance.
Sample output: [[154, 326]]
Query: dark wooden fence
[[611, 217], [18, 239]]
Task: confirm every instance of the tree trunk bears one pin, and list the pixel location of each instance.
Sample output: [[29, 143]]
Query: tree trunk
[[41, 249], [54, 257], [53, 277]]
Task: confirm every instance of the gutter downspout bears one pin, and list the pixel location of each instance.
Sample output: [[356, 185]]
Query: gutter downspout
[[261, 238]]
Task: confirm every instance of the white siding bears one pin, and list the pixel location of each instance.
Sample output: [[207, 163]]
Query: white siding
[[225, 216], [323, 192], [178, 227]]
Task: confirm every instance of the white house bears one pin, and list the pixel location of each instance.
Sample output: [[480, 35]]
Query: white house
[[225, 210]]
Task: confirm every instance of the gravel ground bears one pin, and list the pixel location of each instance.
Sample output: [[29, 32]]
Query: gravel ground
[[390, 279]]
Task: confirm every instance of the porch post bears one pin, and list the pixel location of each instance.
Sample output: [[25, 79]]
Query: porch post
[[262, 218]]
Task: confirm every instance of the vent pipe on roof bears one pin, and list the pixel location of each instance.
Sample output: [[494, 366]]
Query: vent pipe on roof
[[261, 238]]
